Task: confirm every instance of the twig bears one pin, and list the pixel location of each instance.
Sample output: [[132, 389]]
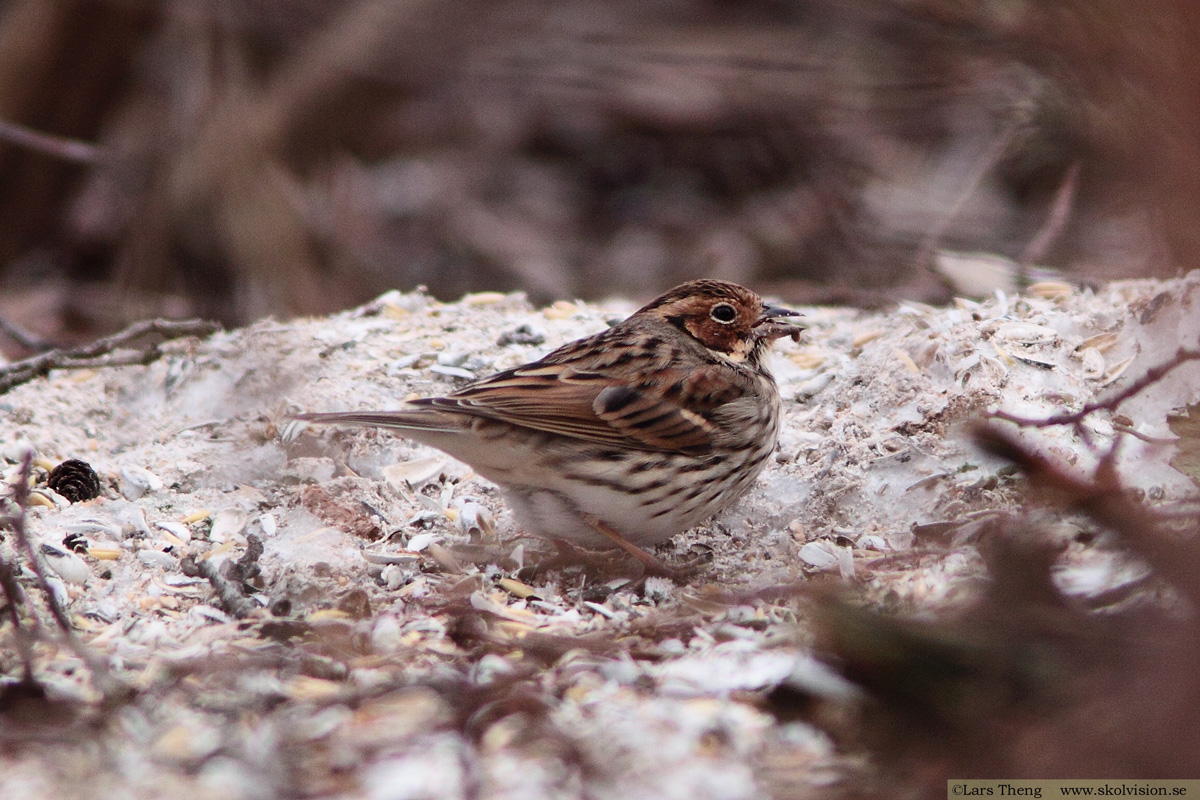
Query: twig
[[14, 599], [999, 145], [247, 565], [1152, 376], [229, 577], [16, 522], [1148, 439], [90, 356], [1060, 211], [1103, 498], [49, 144], [230, 594], [31, 342]]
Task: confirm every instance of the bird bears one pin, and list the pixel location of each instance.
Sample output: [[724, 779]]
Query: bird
[[625, 438]]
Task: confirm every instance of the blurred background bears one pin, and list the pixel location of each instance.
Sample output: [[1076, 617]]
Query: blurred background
[[241, 158]]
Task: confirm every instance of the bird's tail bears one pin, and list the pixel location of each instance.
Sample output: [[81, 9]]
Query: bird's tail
[[412, 420]]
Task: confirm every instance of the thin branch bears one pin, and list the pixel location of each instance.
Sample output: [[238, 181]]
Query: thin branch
[[1152, 376], [30, 341], [91, 356], [999, 145], [1060, 211], [1148, 439], [49, 144], [228, 578], [16, 522], [14, 600], [1103, 498]]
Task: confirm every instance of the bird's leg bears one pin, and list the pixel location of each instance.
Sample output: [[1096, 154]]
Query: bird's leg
[[652, 565]]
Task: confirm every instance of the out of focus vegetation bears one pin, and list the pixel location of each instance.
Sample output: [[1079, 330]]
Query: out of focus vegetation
[[253, 157]]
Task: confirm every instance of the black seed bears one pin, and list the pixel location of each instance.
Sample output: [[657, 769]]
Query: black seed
[[523, 334], [75, 541]]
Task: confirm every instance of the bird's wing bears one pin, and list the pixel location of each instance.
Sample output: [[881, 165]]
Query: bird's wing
[[603, 404]]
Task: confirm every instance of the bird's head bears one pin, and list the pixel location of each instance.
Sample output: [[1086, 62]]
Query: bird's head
[[728, 319]]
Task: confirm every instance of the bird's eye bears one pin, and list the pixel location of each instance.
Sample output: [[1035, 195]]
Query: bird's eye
[[723, 313]]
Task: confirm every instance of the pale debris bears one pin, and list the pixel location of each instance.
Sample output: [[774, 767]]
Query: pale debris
[[871, 459]]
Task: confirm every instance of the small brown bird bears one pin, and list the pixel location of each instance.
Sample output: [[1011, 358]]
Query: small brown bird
[[624, 438]]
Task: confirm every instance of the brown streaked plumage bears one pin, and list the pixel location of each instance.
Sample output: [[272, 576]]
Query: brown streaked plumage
[[626, 437]]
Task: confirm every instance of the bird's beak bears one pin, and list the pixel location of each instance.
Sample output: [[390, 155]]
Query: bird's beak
[[774, 312], [768, 325]]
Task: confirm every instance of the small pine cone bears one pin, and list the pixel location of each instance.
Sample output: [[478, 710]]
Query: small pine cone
[[75, 480]]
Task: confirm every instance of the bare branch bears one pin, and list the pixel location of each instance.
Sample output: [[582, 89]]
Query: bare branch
[[16, 522], [1102, 497], [1152, 376], [1000, 144], [228, 578], [57, 146], [30, 341], [1060, 211], [92, 356], [1142, 436], [14, 599]]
